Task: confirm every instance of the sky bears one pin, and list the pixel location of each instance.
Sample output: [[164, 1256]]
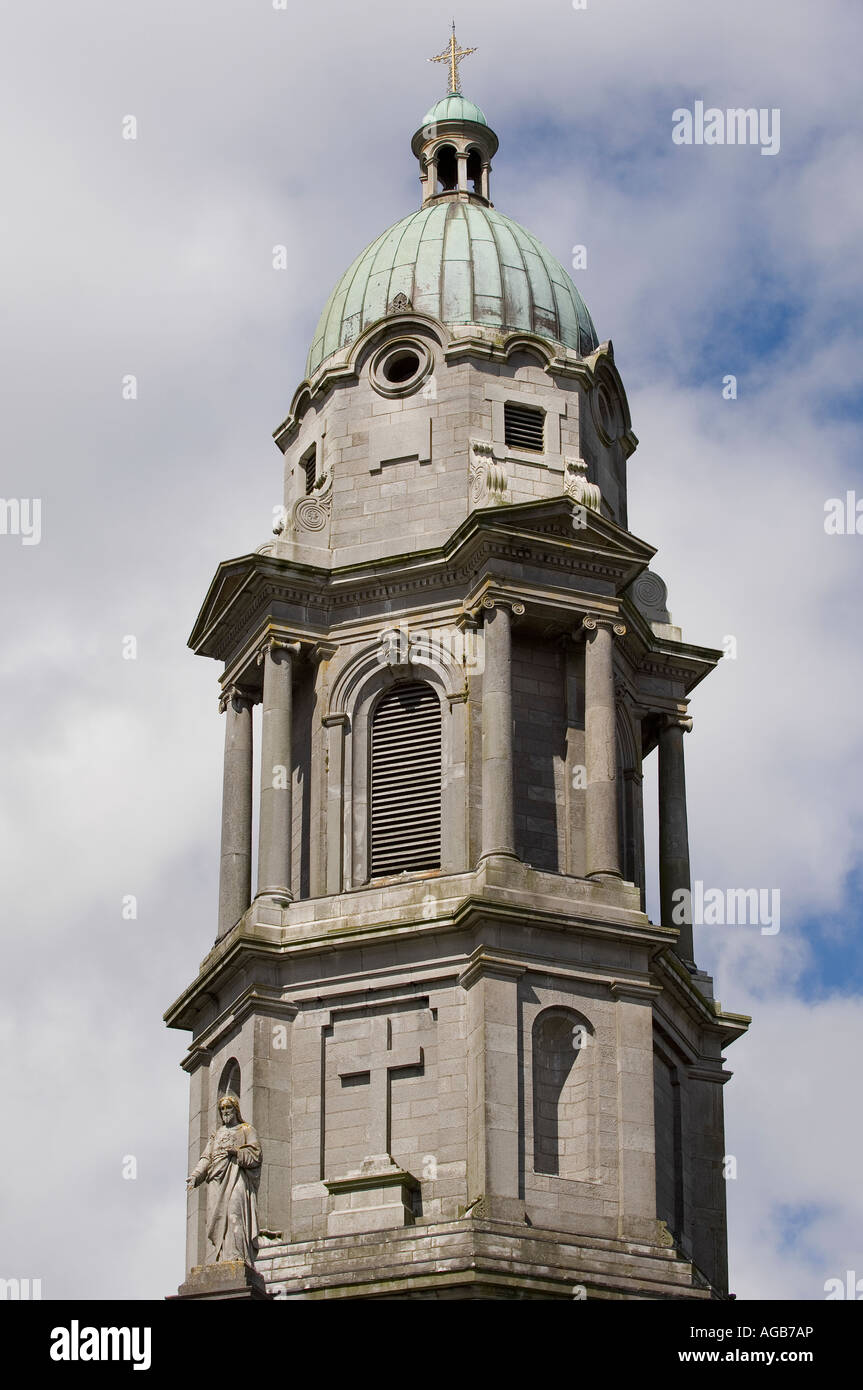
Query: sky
[[152, 257]]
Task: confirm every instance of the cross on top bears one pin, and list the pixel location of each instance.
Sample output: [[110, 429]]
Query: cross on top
[[453, 55]]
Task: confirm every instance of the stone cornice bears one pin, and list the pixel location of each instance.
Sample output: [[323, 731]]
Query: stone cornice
[[500, 965], [243, 590], [474, 911], [523, 555], [676, 981], [257, 1000]]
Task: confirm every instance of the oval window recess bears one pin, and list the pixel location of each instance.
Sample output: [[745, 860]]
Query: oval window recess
[[399, 368], [606, 414]]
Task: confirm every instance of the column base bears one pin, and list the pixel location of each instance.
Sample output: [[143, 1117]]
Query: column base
[[229, 1279], [278, 897]]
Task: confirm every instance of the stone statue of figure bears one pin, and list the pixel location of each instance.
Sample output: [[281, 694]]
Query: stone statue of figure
[[231, 1166]]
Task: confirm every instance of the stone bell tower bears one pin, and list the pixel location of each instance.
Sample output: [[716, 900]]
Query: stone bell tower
[[474, 1067]]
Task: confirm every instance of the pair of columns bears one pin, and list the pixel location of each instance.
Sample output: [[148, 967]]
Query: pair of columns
[[498, 763], [275, 820], [600, 724]]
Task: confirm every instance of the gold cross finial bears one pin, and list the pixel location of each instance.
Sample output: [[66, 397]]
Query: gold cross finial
[[453, 55]]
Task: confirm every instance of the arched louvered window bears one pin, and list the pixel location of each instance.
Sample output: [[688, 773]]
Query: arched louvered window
[[406, 781]]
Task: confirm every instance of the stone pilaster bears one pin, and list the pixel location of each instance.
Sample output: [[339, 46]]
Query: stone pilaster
[[600, 743], [235, 874], [674, 871], [493, 1089], [498, 807], [635, 1113], [275, 825]]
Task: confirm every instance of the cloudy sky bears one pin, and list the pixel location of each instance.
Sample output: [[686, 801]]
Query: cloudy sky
[[260, 126]]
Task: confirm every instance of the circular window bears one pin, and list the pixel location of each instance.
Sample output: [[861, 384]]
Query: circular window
[[399, 368]]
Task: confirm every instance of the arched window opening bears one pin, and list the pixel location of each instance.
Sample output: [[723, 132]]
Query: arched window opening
[[229, 1081], [557, 1042], [474, 171], [447, 169], [406, 781]]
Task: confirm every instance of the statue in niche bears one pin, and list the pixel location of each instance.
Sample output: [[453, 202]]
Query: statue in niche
[[231, 1166]]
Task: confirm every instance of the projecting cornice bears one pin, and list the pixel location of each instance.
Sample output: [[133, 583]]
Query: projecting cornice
[[657, 656], [569, 566], [676, 981]]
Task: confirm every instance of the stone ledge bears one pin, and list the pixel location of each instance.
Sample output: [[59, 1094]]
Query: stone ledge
[[459, 1259]]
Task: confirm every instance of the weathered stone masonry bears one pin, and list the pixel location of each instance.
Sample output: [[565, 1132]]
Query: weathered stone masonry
[[494, 1077]]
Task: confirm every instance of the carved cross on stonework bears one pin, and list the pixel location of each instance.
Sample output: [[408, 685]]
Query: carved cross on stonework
[[376, 1067]]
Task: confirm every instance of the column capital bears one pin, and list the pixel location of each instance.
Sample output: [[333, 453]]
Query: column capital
[[500, 601], [274, 645], [238, 696], [676, 721], [591, 621]]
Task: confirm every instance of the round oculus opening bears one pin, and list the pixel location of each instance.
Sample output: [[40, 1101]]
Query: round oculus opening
[[401, 366]]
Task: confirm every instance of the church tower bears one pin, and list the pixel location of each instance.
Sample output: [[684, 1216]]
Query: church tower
[[474, 1066]]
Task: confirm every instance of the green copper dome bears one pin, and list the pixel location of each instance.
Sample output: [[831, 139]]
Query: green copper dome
[[454, 107], [460, 262]]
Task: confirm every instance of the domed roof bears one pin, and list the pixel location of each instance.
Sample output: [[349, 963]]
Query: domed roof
[[460, 262], [454, 107]]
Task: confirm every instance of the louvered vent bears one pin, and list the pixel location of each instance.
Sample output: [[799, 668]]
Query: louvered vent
[[406, 781], [524, 427], [310, 464]]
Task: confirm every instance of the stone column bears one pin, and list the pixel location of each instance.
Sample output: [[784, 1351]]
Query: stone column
[[600, 747], [275, 829], [462, 171], [486, 169], [674, 870], [235, 874], [498, 807]]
